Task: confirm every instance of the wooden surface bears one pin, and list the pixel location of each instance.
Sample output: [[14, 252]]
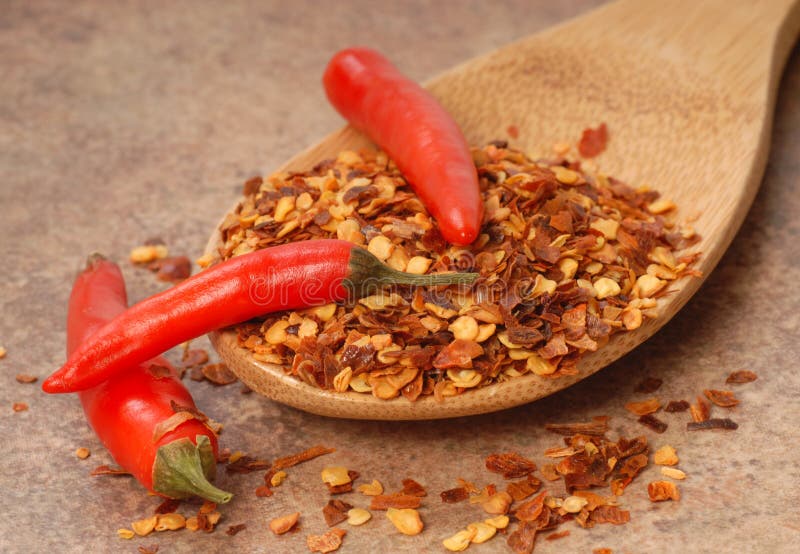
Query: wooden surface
[[126, 120], [671, 79]]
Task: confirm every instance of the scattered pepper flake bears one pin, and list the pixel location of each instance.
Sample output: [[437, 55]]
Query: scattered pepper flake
[[741, 376], [283, 524], [457, 494], [520, 490], [523, 539], [219, 374], [673, 473], [396, 500], [653, 423], [335, 512], [83, 453], [300, 457], [24, 378], [649, 385], [3, 352], [413, 488], [701, 410], [593, 141], [371, 489], [644, 407], [107, 470], [152, 549], [677, 406], [405, 520], [722, 398], [663, 490], [19, 406], [597, 427], [510, 465], [193, 358], [666, 456], [327, 542], [557, 535], [126, 534], [716, 423]]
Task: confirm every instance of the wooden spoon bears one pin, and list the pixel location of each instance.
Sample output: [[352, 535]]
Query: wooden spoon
[[687, 89]]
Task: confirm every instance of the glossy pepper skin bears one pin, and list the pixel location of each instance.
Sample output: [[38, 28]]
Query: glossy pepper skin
[[416, 131], [290, 276], [125, 410]]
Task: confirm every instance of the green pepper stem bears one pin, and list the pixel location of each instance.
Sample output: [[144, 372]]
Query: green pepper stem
[[367, 273], [183, 469]]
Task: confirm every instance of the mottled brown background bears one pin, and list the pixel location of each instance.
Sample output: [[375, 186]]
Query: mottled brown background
[[121, 121]]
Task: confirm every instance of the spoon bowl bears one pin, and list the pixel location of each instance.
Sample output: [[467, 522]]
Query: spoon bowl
[[687, 90]]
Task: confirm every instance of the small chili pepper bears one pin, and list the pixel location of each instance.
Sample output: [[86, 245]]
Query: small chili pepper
[[416, 131], [290, 276], [133, 413]]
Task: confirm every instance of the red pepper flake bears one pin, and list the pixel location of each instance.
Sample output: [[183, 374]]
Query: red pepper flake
[[602, 551], [451, 496], [396, 500], [107, 470], [530, 510], [549, 472], [263, 491], [649, 406], [520, 490], [653, 423], [234, 529], [557, 535], [246, 464], [609, 514], [193, 358], [346, 487], [593, 141], [598, 427], [328, 542], [510, 465], [663, 490], [172, 270], [169, 506], [24, 378], [716, 423], [722, 398], [413, 488], [458, 354], [523, 539], [19, 406], [513, 131], [219, 374], [649, 385], [335, 511], [700, 411], [152, 549], [300, 457], [677, 406], [741, 376]]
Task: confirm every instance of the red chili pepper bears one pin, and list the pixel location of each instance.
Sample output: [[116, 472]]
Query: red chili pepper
[[290, 276], [416, 131], [129, 411]]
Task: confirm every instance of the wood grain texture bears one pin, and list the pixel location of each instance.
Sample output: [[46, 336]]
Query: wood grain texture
[[687, 90]]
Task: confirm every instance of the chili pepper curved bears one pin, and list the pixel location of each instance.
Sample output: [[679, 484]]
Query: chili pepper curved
[[416, 131], [290, 276], [127, 410]]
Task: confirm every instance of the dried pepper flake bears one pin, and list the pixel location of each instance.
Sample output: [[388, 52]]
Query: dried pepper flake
[[663, 490], [405, 520], [741, 376], [722, 398], [300, 457], [666, 456], [523, 539], [510, 465], [396, 500], [24, 378], [597, 427], [413, 488], [644, 407], [593, 141], [194, 358], [609, 514], [451, 496], [168, 506], [653, 423], [716, 423], [677, 406], [107, 470], [557, 535], [520, 490], [701, 410], [219, 374], [246, 464], [649, 385], [152, 549], [283, 524], [235, 529], [335, 511], [19, 406]]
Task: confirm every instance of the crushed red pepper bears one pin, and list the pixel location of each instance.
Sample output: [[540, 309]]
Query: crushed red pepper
[[722, 398], [653, 423], [741, 376], [593, 141], [716, 423], [677, 406], [510, 465]]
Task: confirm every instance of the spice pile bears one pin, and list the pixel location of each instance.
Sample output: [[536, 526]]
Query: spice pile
[[566, 259]]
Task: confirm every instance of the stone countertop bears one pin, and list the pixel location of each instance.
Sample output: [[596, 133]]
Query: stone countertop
[[128, 120]]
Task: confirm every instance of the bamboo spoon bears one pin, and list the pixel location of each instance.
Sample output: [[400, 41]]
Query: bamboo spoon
[[687, 89]]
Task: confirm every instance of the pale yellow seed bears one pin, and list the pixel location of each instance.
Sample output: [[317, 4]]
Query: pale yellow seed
[[439, 311], [568, 266], [464, 378], [520, 354], [144, 527], [587, 286], [359, 384], [632, 318], [358, 516], [498, 522], [648, 285], [419, 265], [398, 260], [171, 522], [663, 256], [341, 382], [593, 268], [283, 524], [324, 313], [464, 327], [483, 531], [542, 286], [661, 272], [380, 247], [348, 157], [383, 356], [308, 328], [485, 331], [126, 534], [561, 148], [433, 324], [145, 254], [564, 175], [608, 227], [335, 476], [247, 221], [574, 504], [276, 334], [204, 261], [606, 287], [372, 489], [673, 473], [283, 207], [460, 541], [539, 365], [287, 228], [661, 206], [498, 503], [406, 520], [278, 478], [505, 341], [82, 453], [304, 201], [350, 231], [666, 456], [192, 524]]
